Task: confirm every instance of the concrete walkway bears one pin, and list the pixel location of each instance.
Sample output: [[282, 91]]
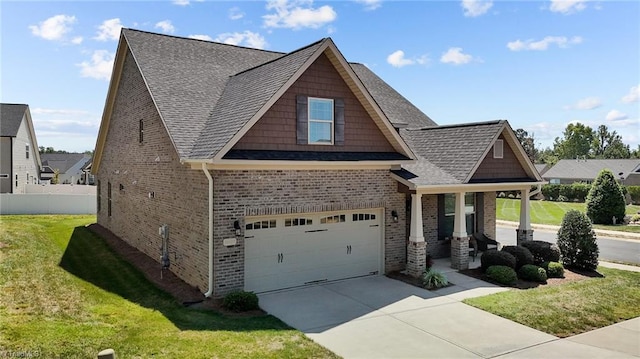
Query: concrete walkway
[[378, 317]]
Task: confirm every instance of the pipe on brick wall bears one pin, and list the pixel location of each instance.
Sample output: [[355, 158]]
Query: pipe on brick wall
[[209, 293]]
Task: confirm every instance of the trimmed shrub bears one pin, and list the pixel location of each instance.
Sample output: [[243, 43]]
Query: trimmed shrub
[[432, 279], [240, 301], [605, 199], [580, 191], [523, 255], [554, 269], [577, 241], [532, 273], [502, 274], [542, 251], [635, 218], [493, 257], [634, 193]]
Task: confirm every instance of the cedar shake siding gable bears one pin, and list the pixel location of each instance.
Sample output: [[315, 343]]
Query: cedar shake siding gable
[[508, 168], [277, 129]]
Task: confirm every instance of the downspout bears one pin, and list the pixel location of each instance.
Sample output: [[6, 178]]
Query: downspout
[[209, 293], [538, 190]]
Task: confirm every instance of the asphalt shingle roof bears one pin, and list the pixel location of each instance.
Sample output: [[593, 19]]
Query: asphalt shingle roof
[[11, 116], [244, 94], [63, 161], [589, 169], [448, 154], [206, 91]]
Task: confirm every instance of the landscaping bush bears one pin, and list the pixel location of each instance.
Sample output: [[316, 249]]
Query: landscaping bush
[[502, 274], [634, 193], [605, 199], [532, 273], [240, 301], [551, 192], [542, 251], [554, 269], [493, 257], [580, 191], [432, 279], [577, 241], [635, 218], [523, 255]]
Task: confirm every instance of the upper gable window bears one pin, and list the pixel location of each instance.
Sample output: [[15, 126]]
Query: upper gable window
[[320, 121], [140, 131], [498, 149], [26, 148]]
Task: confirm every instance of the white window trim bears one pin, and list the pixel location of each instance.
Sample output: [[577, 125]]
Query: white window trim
[[310, 120], [498, 149]]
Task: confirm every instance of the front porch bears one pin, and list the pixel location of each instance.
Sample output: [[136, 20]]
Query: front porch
[[441, 224]]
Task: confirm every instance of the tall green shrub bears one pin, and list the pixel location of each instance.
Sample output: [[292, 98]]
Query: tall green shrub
[[577, 241], [605, 199], [634, 192]]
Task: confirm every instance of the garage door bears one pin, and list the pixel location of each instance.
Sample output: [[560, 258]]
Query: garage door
[[294, 250]]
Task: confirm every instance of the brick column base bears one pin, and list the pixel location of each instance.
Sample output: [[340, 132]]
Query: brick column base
[[460, 253], [416, 258], [523, 235]]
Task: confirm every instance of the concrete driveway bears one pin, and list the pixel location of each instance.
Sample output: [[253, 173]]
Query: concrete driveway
[[378, 317]]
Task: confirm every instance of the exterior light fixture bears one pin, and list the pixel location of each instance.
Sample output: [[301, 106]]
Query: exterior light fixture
[[394, 214]]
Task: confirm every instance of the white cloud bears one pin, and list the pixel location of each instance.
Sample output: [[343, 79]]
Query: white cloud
[[455, 56], [99, 67], [181, 2], [165, 26], [297, 14], [77, 40], [109, 30], [567, 7], [53, 28], [64, 112], [587, 103], [560, 41], [247, 38], [632, 96], [615, 115], [201, 37], [473, 8], [370, 5], [235, 13], [397, 59]]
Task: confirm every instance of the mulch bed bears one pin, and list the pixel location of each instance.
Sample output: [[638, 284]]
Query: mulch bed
[[184, 293], [570, 275]]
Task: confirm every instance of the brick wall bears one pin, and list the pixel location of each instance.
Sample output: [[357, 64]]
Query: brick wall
[[270, 192], [489, 200], [179, 194], [276, 130]]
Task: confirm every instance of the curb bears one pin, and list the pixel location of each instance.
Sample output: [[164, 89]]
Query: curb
[[599, 232]]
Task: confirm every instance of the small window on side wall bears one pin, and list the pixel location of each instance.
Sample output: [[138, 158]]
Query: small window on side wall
[[26, 148], [140, 131], [498, 149]]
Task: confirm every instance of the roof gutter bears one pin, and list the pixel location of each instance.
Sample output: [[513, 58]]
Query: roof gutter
[[209, 293]]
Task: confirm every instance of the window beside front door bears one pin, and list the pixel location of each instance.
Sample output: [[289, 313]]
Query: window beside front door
[[449, 211]]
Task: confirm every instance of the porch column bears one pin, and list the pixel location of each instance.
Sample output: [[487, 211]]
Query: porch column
[[524, 231], [460, 240], [416, 248]]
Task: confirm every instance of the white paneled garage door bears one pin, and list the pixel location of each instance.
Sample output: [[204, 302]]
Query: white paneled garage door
[[293, 250]]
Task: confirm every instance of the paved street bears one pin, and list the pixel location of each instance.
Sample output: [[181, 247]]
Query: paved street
[[611, 249]]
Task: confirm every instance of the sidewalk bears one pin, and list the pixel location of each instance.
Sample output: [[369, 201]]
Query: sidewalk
[[551, 228]]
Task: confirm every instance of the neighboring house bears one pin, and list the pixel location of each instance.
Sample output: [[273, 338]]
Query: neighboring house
[[70, 167], [542, 168], [627, 171], [243, 168], [19, 158]]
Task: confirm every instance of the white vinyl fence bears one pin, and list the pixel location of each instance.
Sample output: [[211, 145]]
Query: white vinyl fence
[[47, 203]]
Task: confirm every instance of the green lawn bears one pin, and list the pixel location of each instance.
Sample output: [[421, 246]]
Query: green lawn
[[547, 212], [65, 294], [572, 308]]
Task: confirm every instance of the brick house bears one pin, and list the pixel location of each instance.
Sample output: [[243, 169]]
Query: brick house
[[239, 168], [19, 157]]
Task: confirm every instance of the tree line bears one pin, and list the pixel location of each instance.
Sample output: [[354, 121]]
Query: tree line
[[578, 141]]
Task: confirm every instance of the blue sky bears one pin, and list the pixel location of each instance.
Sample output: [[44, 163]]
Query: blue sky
[[538, 64]]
